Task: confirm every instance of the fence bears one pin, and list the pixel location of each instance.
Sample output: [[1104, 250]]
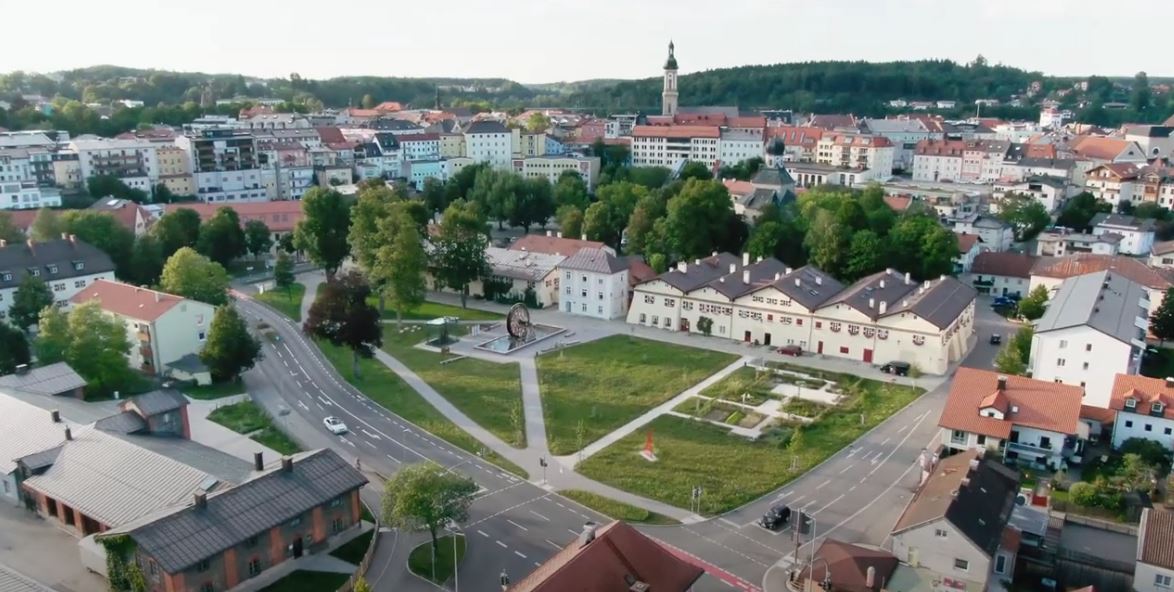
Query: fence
[[1089, 521], [366, 562]]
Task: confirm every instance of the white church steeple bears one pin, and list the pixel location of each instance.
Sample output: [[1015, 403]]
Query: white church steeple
[[668, 96]]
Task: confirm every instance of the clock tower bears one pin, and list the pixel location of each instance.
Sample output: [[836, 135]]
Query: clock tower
[[668, 97]]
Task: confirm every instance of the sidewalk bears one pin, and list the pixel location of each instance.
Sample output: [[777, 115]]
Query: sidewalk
[[311, 280], [214, 435]]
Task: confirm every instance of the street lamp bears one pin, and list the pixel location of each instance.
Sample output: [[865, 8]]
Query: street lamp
[[453, 528], [827, 576]]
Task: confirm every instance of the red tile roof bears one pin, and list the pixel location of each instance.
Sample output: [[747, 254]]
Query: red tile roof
[[389, 106], [128, 300], [966, 241], [553, 245], [1039, 151], [330, 135], [618, 552], [1043, 405], [847, 566], [796, 136], [1156, 534], [736, 187], [279, 216], [899, 203], [1098, 148], [1097, 414], [755, 121], [832, 121], [1146, 391], [941, 148], [676, 131], [1085, 263], [1005, 264]]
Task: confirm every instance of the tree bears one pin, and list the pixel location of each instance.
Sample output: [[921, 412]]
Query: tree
[[322, 232], [258, 239], [1079, 211], [920, 245], [286, 243], [103, 231], [433, 195], [698, 220], [866, 255], [46, 226], [460, 248], [1033, 306], [9, 231], [146, 261], [705, 325], [1142, 96], [461, 184], [163, 194], [283, 276], [606, 219], [424, 496], [650, 177], [192, 275], [92, 342], [570, 221], [368, 101], [537, 122], [177, 229], [361, 585], [695, 170], [495, 192], [221, 237], [570, 190], [30, 298], [230, 349], [14, 348], [341, 315], [103, 186], [827, 243], [1162, 321], [52, 336], [642, 237], [400, 265], [1027, 215]]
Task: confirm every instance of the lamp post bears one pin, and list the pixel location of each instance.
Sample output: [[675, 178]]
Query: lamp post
[[827, 576], [542, 463], [455, 530]]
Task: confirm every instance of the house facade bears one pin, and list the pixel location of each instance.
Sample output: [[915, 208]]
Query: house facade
[[67, 266], [668, 145], [938, 160], [1143, 409], [489, 142], [594, 284], [1137, 235], [1001, 274], [1154, 570]]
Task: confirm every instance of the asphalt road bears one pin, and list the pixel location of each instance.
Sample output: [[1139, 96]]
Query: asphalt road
[[515, 525]]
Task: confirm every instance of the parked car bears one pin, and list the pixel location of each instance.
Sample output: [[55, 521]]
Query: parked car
[[1003, 302], [335, 425], [791, 350], [776, 517], [996, 339], [897, 368]]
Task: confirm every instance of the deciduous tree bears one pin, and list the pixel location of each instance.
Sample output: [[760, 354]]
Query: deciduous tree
[[192, 275], [258, 239], [606, 219], [283, 276], [424, 496], [1026, 214], [695, 170], [460, 249], [32, 296], [46, 226], [177, 229], [1162, 321], [230, 349], [570, 221], [104, 232], [91, 341], [14, 348], [341, 315], [9, 231], [322, 232], [221, 237], [699, 220], [400, 264], [570, 190], [146, 261], [1033, 306], [827, 243]]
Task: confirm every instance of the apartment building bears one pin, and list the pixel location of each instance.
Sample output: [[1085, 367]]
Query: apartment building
[[1154, 570], [526, 144], [881, 318], [1062, 242], [225, 165], [67, 266], [1050, 192], [938, 160], [857, 152], [1137, 235], [1115, 182], [982, 161], [173, 170], [20, 188], [594, 284], [489, 142], [903, 133], [420, 146], [553, 166], [797, 144], [1001, 274], [670, 145], [737, 145], [1143, 409], [134, 161]]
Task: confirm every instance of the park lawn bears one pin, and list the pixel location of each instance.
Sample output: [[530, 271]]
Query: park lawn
[[732, 470], [420, 559], [382, 385], [249, 419], [308, 581], [273, 437], [354, 549], [490, 394], [217, 390], [431, 310], [615, 509], [288, 304], [608, 382], [744, 380]]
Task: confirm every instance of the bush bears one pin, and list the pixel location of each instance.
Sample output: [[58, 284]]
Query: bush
[[1151, 452], [1082, 494]]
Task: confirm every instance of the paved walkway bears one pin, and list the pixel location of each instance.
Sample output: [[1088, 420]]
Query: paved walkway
[[214, 435], [532, 406], [311, 281]]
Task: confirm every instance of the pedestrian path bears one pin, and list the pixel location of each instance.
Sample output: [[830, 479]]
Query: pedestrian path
[[532, 408], [311, 281]]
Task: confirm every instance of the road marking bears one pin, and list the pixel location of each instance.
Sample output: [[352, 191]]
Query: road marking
[[326, 402], [886, 441], [730, 522], [509, 509], [804, 508], [553, 544], [349, 443], [516, 524], [852, 451], [370, 435], [540, 515], [482, 533], [536, 564], [784, 494], [559, 504], [847, 468], [576, 533], [822, 485], [519, 554], [369, 444], [825, 506], [503, 545], [397, 461], [303, 406], [796, 500]]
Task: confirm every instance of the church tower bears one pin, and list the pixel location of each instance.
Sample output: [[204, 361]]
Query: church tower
[[668, 97]]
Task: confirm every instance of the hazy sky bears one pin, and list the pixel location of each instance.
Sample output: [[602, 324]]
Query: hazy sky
[[552, 40]]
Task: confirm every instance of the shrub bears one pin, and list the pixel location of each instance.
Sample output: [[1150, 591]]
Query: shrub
[[1151, 453], [1083, 494]]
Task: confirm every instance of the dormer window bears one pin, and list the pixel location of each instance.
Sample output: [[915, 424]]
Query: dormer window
[[33, 271], [6, 276], [1130, 403], [79, 265], [1157, 407], [52, 267]]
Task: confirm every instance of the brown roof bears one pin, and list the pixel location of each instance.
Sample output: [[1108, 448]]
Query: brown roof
[[931, 501], [899, 203], [639, 271], [553, 245], [847, 566], [1156, 538], [676, 131], [125, 211], [279, 216], [832, 121], [1005, 264], [736, 187], [1146, 391], [1085, 263], [128, 300], [941, 148], [1043, 405], [966, 241], [617, 553], [796, 136], [1159, 248], [1098, 147], [1097, 414]]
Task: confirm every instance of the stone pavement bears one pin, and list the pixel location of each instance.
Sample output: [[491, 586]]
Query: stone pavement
[[311, 281], [214, 435]]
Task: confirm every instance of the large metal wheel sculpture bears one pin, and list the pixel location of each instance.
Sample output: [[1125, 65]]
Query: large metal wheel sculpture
[[517, 322]]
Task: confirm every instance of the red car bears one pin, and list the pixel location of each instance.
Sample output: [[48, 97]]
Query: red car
[[791, 350]]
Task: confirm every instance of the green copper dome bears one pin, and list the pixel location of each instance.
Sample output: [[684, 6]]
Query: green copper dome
[[671, 63]]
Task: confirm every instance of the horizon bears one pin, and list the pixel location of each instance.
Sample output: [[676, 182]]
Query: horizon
[[530, 43]]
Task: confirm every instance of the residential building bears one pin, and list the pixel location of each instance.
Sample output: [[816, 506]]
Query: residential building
[[274, 121], [903, 133], [670, 145], [163, 328], [1062, 241], [1052, 118], [969, 246], [1029, 421], [614, 557], [67, 266], [594, 284], [1050, 192], [131, 215], [225, 537], [517, 273], [956, 525], [938, 160], [490, 142], [19, 186], [552, 167], [846, 568], [1001, 274], [811, 174], [1104, 150], [1028, 167], [857, 152], [28, 430], [526, 144], [173, 170], [982, 160], [883, 317], [555, 244], [1142, 406], [452, 145], [420, 146], [1115, 183], [420, 171], [134, 162], [797, 144], [1154, 570], [749, 200], [996, 235], [1094, 329], [52, 380], [1137, 235], [1162, 255], [738, 145], [224, 164], [1052, 271]]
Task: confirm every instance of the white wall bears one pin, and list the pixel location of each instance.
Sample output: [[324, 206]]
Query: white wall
[[1144, 576], [923, 547], [1089, 358], [1142, 425], [597, 295], [63, 289]]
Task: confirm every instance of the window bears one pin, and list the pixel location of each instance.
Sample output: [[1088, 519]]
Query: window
[[52, 267], [1000, 564], [643, 318], [940, 533], [649, 299], [843, 350], [296, 521], [1063, 343], [336, 502], [1060, 361], [201, 335], [1088, 347], [1129, 423], [337, 525], [961, 564], [202, 566], [981, 440], [254, 567], [1149, 427], [1162, 580]]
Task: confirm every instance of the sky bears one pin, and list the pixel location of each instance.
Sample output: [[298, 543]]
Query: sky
[[561, 40]]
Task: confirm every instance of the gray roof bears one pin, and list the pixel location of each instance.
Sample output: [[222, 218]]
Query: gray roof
[[531, 266], [867, 293], [221, 465], [40, 460], [1123, 221], [1054, 182], [487, 126], [50, 380], [940, 303], [75, 410], [699, 272], [761, 273], [127, 422], [893, 126], [1105, 301], [26, 430], [19, 258], [159, 401], [758, 199], [14, 581], [809, 286], [189, 363], [594, 260], [1047, 163], [983, 505], [774, 177], [189, 535], [737, 135]]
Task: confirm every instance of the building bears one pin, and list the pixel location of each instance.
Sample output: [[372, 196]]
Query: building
[[515, 274], [135, 162], [1094, 328], [846, 568], [1050, 192], [1062, 241], [749, 200], [1027, 167], [67, 266], [615, 557], [281, 217], [131, 215], [1051, 272], [857, 152], [670, 145], [903, 133], [1137, 235], [1142, 407], [1103, 150], [420, 146], [489, 141], [173, 170], [20, 187], [222, 538], [1115, 182], [553, 166], [738, 145], [938, 160], [1030, 421], [996, 235], [668, 96], [555, 244], [881, 318], [1154, 570], [594, 284], [1001, 274], [54, 380], [956, 525], [163, 329], [982, 160], [969, 246], [28, 430], [795, 144], [1162, 255], [224, 164]]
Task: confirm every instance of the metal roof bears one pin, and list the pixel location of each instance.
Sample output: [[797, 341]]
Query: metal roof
[[223, 466], [158, 401], [1105, 301], [522, 265], [26, 430], [594, 260], [17, 259], [186, 536], [14, 581], [53, 379]]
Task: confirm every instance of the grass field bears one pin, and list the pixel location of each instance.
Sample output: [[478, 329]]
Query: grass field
[[288, 304], [249, 419], [731, 469], [308, 581], [432, 310], [420, 560], [742, 381], [614, 509], [489, 393], [353, 550], [217, 390], [608, 382], [381, 385]]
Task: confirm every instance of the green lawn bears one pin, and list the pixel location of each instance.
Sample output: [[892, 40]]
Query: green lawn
[[614, 509], [382, 385], [731, 469], [308, 581], [489, 393], [608, 382], [420, 560], [432, 310], [249, 419], [273, 437], [212, 391], [353, 550], [742, 381], [288, 304]]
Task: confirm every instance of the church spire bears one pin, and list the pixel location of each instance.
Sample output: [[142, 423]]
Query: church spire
[[668, 97], [671, 63]]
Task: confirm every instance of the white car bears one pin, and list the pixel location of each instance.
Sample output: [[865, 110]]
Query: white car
[[335, 425]]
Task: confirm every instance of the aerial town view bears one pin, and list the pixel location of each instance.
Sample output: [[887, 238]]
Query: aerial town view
[[763, 297]]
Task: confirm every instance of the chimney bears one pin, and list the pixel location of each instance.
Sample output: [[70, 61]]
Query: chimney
[[1014, 409], [696, 262], [870, 578], [68, 434], [1002, 383], [548, 233], [882, 284], [819, 280], [888, 270], [258, 461], [286, 464], [884, 306], [759, 259], [157, 297], [745, 258], [559, 234], [908, 278], [55, 415], [721, 280], [871, 303], [3, 243], [745, 276], [1169, 381], [683, 267], [587, 535], [733, 267], [797, 282], [777, 276], [787, 270], [201, 499]]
